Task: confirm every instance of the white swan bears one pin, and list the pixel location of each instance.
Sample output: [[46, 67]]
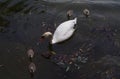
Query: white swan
[[63, 31]]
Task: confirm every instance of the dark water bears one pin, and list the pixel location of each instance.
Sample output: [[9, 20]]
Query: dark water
[[22, 22]]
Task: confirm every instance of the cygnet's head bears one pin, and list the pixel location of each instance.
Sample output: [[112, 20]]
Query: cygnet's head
[[86, 12], [69, 14], [30, 54], [32, 68]]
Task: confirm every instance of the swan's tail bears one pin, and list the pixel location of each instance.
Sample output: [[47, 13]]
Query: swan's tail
[[75, 20]]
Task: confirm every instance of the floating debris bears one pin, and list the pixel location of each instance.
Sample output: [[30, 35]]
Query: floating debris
[[81, 50], [30, 54], [86, 12], [52, 52], [32, 69], [69, 62], [79, 58], [67, 69], [83, 59]]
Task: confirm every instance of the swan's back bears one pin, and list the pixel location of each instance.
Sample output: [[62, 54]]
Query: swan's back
[[64, 31]]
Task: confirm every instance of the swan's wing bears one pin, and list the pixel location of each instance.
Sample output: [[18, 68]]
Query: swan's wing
[[62, 37], [64, 27], [64, 31]]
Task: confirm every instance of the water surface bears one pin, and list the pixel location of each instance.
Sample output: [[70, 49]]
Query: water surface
[[22, 22]]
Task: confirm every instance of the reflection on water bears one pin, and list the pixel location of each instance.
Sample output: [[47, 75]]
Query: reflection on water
[[92, 53], [84, 1]]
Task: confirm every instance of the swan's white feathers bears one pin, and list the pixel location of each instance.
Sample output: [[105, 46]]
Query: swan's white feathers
[[64, 31]]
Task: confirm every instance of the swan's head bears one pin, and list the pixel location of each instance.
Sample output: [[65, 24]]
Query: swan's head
[[86, 12], [46, 35]]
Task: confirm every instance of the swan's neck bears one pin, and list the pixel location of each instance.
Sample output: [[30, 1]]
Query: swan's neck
[[51, 37]]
